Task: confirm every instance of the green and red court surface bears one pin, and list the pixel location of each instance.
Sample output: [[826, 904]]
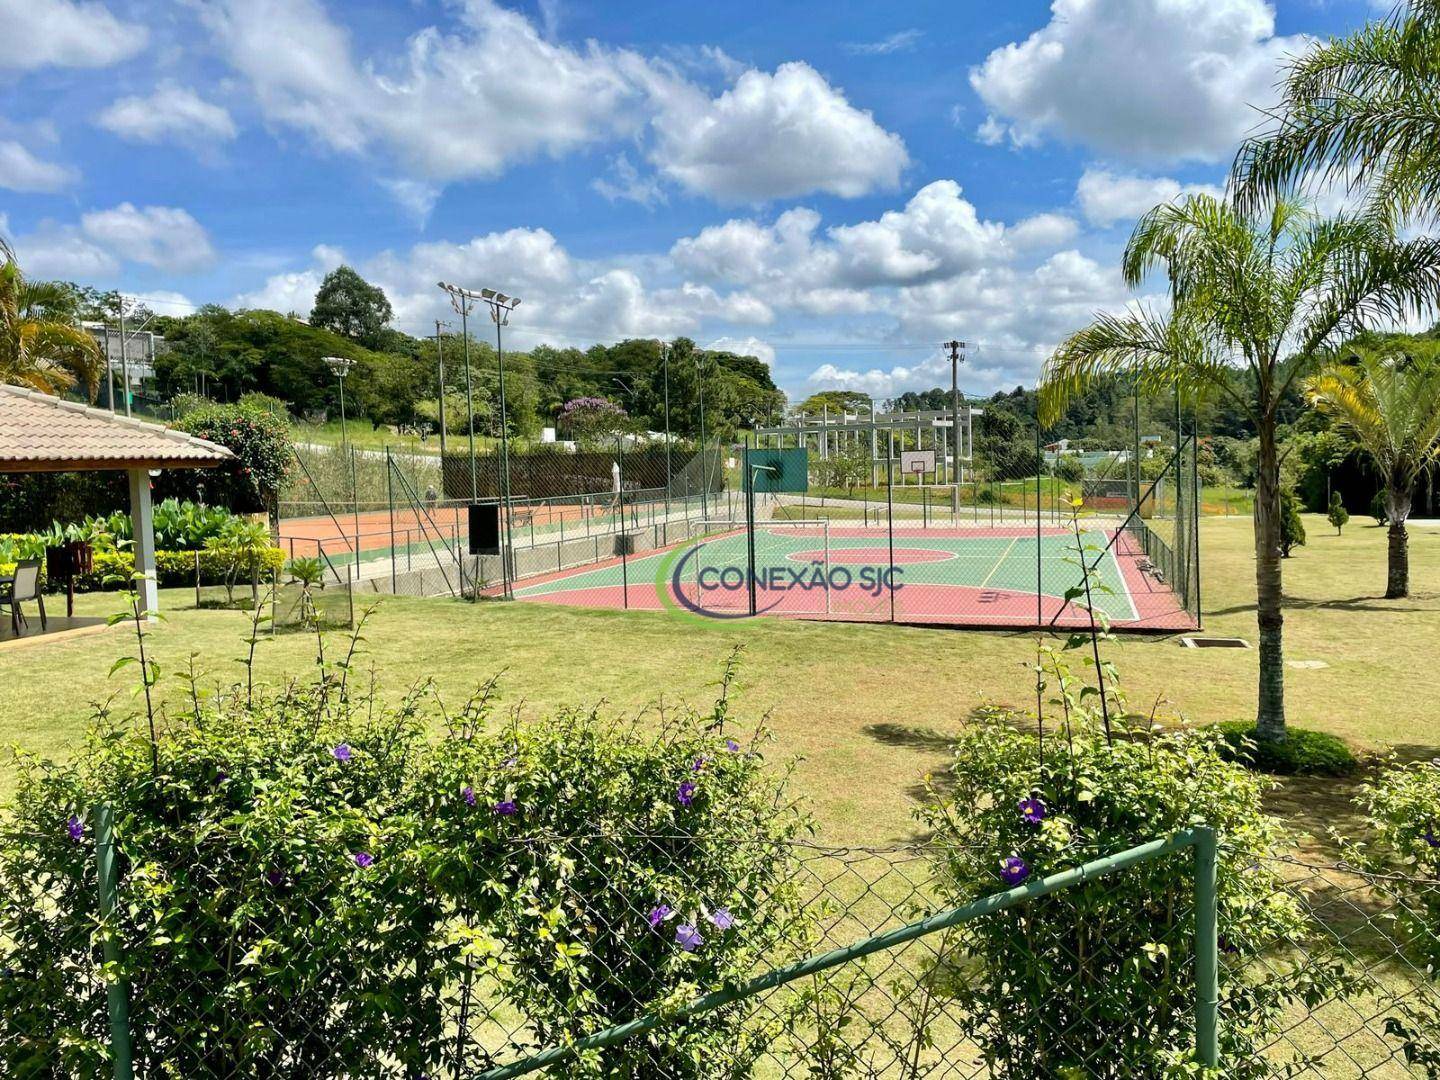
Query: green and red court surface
[[1002, 575]]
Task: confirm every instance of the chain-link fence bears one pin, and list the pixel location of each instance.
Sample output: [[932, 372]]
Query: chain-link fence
[[669, 957], [391, 520], [874, 517]]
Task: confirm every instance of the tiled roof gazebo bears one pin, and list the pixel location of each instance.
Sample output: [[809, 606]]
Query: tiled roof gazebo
[[40, 433]]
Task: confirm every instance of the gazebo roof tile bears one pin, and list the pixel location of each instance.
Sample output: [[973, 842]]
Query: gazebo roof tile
[[40, 433]]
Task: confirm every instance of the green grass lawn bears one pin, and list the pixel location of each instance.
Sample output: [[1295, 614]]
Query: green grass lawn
[[869, 708]]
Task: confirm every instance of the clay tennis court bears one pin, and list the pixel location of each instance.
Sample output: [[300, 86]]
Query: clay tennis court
[[405, 527]]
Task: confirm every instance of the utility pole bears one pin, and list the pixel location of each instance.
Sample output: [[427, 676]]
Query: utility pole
[[957, 355], [124, 360]]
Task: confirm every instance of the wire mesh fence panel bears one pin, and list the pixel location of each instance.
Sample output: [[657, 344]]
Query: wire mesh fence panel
[[924, 521], [726, 956], [1374, 939]]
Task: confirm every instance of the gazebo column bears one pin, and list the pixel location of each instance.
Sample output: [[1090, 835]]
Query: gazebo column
[[142, 528]]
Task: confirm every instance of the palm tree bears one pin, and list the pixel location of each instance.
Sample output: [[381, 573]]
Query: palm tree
[[1362, 110], [38, 348], [1261, 294], [1390, 405]]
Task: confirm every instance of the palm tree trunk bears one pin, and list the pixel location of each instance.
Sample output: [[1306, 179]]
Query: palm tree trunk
[[1270, 715], [1397, 581]]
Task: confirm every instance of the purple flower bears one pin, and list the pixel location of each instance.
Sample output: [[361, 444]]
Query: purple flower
[[74, 829], [1429, 837], [688, 937], [506, 808], [699, 764], [1033, 810], [510, 762], [221, 776], [685, 793], [363, 859], [732, 746], [275, 878], [722, 918], [658, 914], [1013, 870], [341, 752], [469, 794]]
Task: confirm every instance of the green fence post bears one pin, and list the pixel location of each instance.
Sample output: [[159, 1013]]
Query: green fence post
[[1207, 951], [116, 992]]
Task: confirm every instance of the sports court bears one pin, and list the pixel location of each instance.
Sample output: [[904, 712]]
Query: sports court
[[988, 575]]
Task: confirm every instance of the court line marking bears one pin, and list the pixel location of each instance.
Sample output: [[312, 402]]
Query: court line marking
[[1000, 562], [1124, 585]]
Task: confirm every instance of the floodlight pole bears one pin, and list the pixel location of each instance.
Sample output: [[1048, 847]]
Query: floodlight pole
[[665, 367], [341, 366], [462, 305], [500, 308], [957, 355], [440, 361], [500, 313], [704, 465]]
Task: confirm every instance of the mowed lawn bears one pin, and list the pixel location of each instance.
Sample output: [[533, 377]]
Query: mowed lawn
[[868, 708]]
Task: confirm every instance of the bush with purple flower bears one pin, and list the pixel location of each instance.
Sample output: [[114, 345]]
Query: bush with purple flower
[[1019, 809]]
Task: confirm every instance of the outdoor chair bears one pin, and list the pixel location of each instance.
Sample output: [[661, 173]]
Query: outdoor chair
[[25, 585]]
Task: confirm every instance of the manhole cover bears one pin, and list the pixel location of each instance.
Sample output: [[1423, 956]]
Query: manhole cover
[[1214, 643]]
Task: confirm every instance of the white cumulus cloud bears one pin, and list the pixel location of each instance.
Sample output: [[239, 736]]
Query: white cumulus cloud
[[165, 237], [1106, 197], [490, 89], [775, 136], [64, 33], [1164, 80], [173, 113], [20, 170]]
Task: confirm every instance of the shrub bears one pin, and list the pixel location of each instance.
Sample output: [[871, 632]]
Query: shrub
[[631, 841], [1380, 508], [1402, 808], [1337, 515], [1070, 468], [1292, 528], [174, 568], [263, 458], [1300, 753], [1055, 986], [314, 886]]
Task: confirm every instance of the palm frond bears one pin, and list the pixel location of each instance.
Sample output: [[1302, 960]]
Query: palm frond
[[1358, 111], [1155, 349]]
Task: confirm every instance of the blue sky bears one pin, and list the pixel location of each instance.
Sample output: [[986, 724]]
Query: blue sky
[[836, 187]]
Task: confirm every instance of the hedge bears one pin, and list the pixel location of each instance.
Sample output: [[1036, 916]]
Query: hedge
[[172, 568]]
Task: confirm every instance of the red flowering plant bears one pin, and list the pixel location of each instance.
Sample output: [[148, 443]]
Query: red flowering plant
[[261, 444]]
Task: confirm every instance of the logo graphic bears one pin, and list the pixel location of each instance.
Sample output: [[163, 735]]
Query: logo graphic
[[690, 587]]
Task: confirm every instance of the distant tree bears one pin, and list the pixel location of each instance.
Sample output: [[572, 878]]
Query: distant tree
[[350, 306], [836, 402], [1389, 404], [1337, 514]]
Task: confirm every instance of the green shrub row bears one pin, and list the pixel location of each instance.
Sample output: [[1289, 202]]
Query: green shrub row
[[172, 568]]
